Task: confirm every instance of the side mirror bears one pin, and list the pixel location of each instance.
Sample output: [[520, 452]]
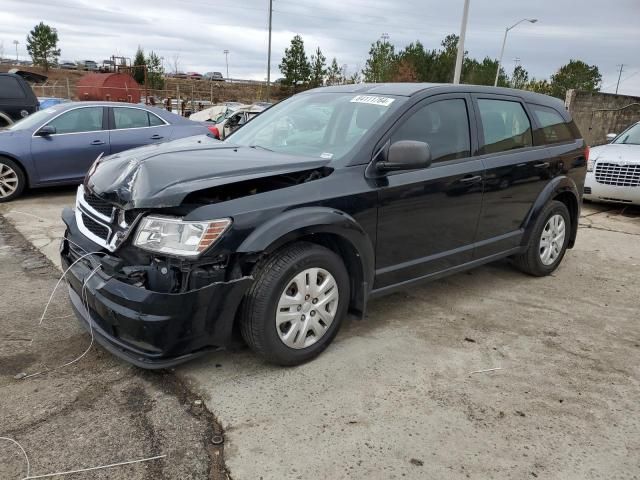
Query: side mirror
[[46, 131], [611, 136], [406, 155]]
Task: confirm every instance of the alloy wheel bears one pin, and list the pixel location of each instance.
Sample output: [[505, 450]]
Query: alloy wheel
[[552, 239], [307, 308], [8, 180]]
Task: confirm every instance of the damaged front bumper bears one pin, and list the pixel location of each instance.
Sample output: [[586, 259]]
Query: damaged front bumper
[[146, 328]]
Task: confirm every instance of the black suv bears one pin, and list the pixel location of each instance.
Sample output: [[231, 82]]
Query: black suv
[[17, 99], [322, 202]]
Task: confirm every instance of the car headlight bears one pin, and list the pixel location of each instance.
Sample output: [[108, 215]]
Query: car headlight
[[591, 163], [174, 236]]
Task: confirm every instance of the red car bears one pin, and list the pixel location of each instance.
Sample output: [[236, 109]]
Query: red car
[[194, 75]]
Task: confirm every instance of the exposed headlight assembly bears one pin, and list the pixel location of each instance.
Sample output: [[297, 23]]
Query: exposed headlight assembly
[[174, 236]]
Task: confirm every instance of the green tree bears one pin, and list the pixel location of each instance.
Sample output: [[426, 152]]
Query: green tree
[[155, 71], [577, 75], [42, 45], [334, 73], [520, 78], [483, 73], [538, 86], [445, 60], [294, 65], [139, 62], [381, 62], [318, 68], [416, 60]]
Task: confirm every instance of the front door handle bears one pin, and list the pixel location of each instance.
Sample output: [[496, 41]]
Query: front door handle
[[542, 165], [156, 137], [474, 179], [97, 142]]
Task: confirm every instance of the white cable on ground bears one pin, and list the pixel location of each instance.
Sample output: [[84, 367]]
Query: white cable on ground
[[26, 457], [80, 470], [157, 457], [85, 303]]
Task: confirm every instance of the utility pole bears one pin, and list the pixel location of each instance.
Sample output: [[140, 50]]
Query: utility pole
[[619, 75], [269, 54], [463, 32], [16, 42], [226, 54]]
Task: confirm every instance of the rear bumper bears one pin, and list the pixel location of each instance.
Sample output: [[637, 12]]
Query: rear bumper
[[149, 329]]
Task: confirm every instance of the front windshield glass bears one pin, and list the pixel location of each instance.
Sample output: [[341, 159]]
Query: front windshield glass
[[631, 136], [34, 120], [321, 125]]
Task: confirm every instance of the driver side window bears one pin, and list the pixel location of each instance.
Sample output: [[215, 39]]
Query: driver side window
[[444, 125]]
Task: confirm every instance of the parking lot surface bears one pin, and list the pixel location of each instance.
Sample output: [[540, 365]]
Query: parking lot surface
[[485, 374]]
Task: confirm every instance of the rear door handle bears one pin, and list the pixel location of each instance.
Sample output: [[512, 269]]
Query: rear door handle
[[156, 137], [474, 179], [542, 165], [97, 142]]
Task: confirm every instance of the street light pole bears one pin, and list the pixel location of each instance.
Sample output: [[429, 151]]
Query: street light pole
[[463, 32], [269, 54], [16, 42], [504, 41], [226, 54]]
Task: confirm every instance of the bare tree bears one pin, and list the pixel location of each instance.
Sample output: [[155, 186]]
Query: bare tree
[[175, 62]]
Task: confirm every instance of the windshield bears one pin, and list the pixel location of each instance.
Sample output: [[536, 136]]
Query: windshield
[[34, 120], [322, 125], [631, 136]]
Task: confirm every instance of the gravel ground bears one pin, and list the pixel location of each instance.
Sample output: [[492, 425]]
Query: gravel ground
[[98, 411]]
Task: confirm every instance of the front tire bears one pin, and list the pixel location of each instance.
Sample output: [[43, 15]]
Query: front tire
[[296, 304], [548, 243], [12, 180]]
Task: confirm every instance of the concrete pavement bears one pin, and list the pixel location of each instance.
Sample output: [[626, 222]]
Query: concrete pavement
[[395, 396]]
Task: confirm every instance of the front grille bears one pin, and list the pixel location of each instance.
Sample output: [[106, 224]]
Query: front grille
[[94, 227], [98, 204], [618, 175]]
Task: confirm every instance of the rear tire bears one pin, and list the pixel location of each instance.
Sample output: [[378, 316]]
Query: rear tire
[[548, 243], [296, 304], [12, 180]]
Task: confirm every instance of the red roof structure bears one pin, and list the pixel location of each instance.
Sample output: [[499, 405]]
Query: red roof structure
[[114, 87]]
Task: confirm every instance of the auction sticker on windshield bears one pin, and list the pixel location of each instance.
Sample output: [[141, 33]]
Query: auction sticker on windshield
[[373, 100]]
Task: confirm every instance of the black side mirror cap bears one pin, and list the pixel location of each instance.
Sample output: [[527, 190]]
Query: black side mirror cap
[[46, 131], [406, 155]]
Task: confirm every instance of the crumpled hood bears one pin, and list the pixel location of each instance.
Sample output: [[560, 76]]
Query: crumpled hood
[[616, 152], [162, 175]]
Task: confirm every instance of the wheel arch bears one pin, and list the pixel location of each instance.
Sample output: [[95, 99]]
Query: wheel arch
[[330, 228], [562, 189]]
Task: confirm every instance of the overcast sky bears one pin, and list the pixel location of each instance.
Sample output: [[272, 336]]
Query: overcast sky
[[606, 34]]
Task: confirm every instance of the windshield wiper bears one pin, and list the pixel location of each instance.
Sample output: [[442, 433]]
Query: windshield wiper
[[260, 147]]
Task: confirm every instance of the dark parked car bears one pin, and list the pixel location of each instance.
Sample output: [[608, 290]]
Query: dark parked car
[[17, 99], [57, 145], [280, 230]]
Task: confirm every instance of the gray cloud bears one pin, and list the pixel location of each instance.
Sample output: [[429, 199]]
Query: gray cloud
[[198, 31]]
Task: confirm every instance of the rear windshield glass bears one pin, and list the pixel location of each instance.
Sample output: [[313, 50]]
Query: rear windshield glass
[[321, 125], [10, 88]]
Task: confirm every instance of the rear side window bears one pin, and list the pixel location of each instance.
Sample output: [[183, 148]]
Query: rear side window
[[154, 120], [444, 125], [10, 88], [505, 125], [130, 118], [88, 119], [553, 128]]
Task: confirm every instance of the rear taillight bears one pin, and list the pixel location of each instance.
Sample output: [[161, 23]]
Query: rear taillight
[[214, 131], [586, 153]]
